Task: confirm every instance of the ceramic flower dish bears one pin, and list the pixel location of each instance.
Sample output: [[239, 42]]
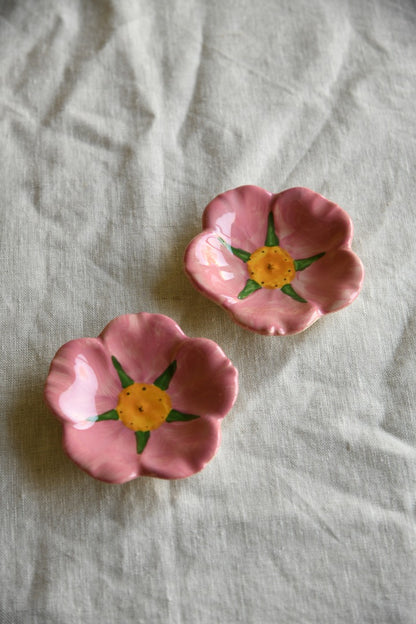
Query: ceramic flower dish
[[141, 399], [275, 262]]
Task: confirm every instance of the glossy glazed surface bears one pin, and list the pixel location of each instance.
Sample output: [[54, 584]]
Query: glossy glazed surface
[[305, 232], [90, 378]]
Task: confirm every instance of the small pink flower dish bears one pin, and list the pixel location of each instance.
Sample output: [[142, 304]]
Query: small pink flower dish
[[275, 262], [142, 399]]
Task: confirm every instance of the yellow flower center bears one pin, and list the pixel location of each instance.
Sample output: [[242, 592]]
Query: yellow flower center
[[143, 407], [271, 267]]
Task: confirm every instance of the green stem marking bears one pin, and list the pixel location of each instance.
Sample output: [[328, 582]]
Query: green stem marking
[[289, 290], [250, 287], [240, 253], [110, 415], [124, 378], [142, 438], [302, 264], [164, 379], [175, 416], [272, 239]]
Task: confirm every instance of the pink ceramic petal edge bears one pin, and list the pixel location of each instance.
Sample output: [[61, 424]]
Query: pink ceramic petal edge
[[329, 217], [333, 298], [274, 322], [113, 459], [197, 274], [205, 380], [202, 437], [76, 372], [130, 337], [109, 460], [240, 214], [318, 224]]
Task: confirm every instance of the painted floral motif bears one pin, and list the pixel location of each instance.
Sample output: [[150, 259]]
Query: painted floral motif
[[141, 399], [143, 407], [271, 266], [276, 263]]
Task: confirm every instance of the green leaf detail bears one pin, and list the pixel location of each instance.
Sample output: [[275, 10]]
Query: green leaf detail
[[110, 415], [272, 239], [305, 262], [124, 378], [288, 290], [250, 287], [240, 253], [142, 438], [164, 379], [175, 416]]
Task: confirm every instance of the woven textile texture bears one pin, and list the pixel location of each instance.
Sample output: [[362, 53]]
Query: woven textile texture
[[119, 121]]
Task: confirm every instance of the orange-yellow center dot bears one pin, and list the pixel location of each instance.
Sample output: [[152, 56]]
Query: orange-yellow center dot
[[143, 407], [271, 267]]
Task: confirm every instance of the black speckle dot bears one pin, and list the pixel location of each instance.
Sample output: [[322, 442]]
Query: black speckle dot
[[140, 409], [127, 393], [284, 279], [143, 388], [262, 282], [289, 271]]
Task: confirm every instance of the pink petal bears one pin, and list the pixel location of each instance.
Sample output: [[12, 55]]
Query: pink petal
[[107, 451], [307, 223], [213, 269], [205, 382], [177, 450], [240, 216], [81, 382], [273, 313], [144, 344], [332, 282]]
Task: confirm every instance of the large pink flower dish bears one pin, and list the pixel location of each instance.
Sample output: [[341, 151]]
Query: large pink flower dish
[[141, 399], [275, 262]]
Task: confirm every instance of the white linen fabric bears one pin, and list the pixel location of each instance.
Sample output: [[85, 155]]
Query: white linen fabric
[[119, 121]]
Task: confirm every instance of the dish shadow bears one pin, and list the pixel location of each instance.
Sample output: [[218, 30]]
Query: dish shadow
[[36, 436], [177, 298]]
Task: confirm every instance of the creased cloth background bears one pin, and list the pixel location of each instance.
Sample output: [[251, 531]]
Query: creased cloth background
[[119, 121]]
